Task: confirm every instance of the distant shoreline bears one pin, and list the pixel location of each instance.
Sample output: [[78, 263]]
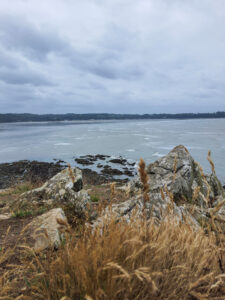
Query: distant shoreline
[[27, 117]]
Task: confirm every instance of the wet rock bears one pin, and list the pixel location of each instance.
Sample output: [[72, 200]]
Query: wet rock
[[109, 171], [99, 166], [101, 157], [128, 173], [84, 161], [131, 164], [88, 157], [119, 160], [59, 161], [93, 178], [46, 230], [64, 187]]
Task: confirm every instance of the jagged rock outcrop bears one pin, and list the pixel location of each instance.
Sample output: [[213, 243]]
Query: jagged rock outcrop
[[182, 176], [176, 182], [64, 187], [47, 229]]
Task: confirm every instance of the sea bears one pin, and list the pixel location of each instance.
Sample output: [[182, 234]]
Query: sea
[[131, 139]]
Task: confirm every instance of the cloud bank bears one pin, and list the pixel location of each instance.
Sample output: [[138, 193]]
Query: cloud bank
[[147, 56]]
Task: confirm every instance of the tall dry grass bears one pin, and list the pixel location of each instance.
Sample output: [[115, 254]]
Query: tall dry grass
[[138, 260], [134, 261]]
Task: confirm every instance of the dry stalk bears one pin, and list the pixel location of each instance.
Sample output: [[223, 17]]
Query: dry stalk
[[112, 190], [144, 179], [211, 162], [71, 173]]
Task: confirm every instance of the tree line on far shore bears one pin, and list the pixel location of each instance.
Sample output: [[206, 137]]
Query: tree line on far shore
[[27, 117]]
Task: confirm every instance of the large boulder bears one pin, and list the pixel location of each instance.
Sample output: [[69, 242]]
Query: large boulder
[[64, 187], [47, 229]]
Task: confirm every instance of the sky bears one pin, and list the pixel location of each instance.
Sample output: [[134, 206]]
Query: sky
[[114, 56]]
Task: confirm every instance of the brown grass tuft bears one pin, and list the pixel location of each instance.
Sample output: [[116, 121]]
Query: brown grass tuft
[[144, 179], [71, 173], [211, 162]]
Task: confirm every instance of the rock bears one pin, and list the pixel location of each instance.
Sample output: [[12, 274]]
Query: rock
[[5, 216], [46, 230], [101, 156], [181, 175], [128, 173], [93, 178], [173, 180], [119, 160], [157, 209], [99, 166], [109, 171], [64, 187], [84, 161]]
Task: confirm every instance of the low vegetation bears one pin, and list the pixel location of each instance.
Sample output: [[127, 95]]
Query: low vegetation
[[27, 213]]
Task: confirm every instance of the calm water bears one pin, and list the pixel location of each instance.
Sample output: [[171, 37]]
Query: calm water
[[149, 139]]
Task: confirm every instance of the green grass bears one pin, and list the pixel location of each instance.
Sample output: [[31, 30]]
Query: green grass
[[18, 189], [22, 188], [28, 213], [94, 198]]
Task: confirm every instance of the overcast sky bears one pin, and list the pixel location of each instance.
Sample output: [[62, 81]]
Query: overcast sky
[[120, 56]]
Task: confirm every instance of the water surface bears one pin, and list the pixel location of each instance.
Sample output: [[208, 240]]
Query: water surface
[[149, 139]]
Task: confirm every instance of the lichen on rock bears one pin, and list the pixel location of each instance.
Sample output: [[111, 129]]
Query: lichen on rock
[[62, 189], [176, 182]]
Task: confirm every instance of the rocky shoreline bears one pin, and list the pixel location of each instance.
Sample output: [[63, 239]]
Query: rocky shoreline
[[96, 169]]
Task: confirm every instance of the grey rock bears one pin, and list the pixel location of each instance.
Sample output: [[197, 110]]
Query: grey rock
[[172, 179], [61, 189], [46, 230], [181, 175]]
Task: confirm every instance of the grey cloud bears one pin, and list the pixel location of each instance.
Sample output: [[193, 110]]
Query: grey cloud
[[21, 35], [21, 77], [128, 56]]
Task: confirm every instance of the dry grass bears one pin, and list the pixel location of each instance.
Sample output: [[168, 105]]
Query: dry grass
[[144, 179], [134, 261]]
